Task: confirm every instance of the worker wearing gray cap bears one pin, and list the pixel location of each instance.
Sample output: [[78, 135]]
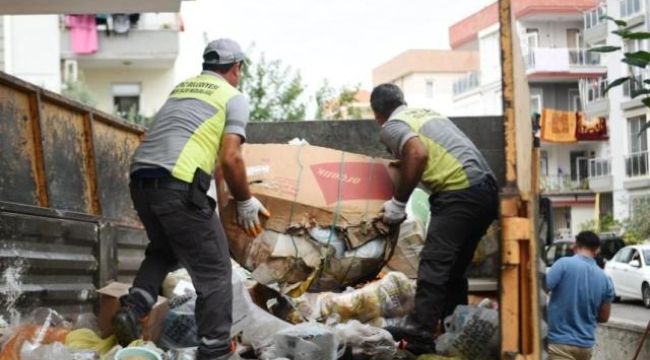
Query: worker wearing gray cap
[[202, 123]]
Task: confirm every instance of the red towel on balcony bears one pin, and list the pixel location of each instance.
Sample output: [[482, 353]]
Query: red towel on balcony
[[83, 33], [594, 129], [558, 126]]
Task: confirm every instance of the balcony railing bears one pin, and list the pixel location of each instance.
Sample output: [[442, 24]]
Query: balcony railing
[[636, 164], [558, 59], [563, 183], [631, 8], [595, 89], [594, 17], [600, 167], [467, 83]]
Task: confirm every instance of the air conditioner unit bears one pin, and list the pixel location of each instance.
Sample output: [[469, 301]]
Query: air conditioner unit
[[70, 71]]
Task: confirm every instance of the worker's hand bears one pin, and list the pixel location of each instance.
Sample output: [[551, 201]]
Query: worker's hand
[[248, 215], [395, 163], [394, 212]]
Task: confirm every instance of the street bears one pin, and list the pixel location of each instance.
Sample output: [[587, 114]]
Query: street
[[630, 311]]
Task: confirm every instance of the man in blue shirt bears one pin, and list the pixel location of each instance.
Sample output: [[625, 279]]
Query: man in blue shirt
[[581, 297]]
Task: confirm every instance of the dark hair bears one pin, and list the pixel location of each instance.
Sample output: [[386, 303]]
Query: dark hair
[[385, 98], [220, 68], [589, 240]]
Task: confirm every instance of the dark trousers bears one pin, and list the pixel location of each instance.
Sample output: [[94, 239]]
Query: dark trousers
[[459, 219], [181, 232]]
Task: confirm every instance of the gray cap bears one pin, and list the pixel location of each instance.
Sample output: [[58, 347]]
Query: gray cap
[[228, 52]]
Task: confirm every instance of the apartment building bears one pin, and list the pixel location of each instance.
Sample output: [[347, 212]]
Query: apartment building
[[427, 76], [554, 47], [622, 173], [130, 67]]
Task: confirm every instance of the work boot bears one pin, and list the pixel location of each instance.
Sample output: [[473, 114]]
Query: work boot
[[127, 322], [413, 340]]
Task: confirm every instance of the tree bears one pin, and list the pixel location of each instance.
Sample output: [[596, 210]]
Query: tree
[[274, 90], [634, 60], [337, 104], [78, 91]]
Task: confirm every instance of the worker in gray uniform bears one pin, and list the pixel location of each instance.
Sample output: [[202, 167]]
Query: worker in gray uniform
[[433, 152], [202, 123]]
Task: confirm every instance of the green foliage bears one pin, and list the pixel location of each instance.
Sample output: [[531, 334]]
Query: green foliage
[[134, 117], [638, 225], [78, 91], [274, 90], [607, 224], [337, 104], [638, 59]]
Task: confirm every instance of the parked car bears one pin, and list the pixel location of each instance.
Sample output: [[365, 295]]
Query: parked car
[[630, 273], [609, 245]]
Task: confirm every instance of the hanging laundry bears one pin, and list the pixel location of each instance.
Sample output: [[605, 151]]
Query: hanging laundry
[[105, 20], [83, 33], [121, 24], [558, 126], [592, 129]]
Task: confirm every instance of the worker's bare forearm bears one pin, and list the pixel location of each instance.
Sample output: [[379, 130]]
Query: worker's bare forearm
[[233, 167], [412, 165], [234, 173]]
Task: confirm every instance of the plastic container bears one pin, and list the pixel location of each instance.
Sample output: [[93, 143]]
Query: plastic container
[[137, 353]]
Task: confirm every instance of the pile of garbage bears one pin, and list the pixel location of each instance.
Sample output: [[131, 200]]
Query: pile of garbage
[[266, 323], [321, 282]]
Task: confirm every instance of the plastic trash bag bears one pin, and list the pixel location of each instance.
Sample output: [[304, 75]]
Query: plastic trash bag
[[307, 341], [54, 351], [179, 327], [472, 334], [86, 339], [392, 296], [44, 326], [365, 339]]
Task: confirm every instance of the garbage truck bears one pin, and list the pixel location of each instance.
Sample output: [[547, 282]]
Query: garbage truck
[[68, 228]]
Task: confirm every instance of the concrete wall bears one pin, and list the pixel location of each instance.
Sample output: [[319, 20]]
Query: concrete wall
[[620, 341], [155, 87], [362, 136], [32, 47], [580, 214]]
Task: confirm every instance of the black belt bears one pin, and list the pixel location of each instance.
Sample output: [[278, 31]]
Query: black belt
[[160, 183]]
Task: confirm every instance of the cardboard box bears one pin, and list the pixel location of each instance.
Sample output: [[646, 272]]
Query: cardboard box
[[109, 304], [305, 186]]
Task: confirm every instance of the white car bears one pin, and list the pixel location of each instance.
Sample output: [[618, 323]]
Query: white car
[[630, 273]]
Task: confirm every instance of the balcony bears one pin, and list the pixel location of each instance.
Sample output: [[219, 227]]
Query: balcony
[[563, 184], [153, 43], [469, 82], [600, 175], [563, 62], [596, 102], [595, 26]]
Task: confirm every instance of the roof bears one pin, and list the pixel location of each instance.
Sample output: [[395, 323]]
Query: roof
[[425, 61], [467, 29]]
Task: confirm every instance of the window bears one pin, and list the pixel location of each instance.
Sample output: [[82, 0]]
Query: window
[[630, 7], [624, 255], [637, 143], [536, 103], [126, 98], [429, 89], [646, 257]]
